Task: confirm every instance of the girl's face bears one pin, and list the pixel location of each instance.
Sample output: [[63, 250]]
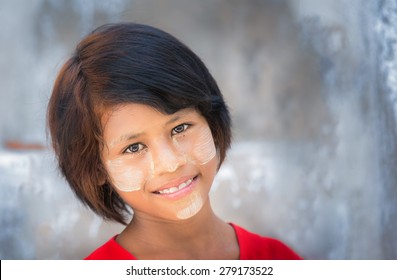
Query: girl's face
[[161, 165]]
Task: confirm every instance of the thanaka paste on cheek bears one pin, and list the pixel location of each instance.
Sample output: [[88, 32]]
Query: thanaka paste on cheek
[[124, 177], [198, 148], [204, 149]]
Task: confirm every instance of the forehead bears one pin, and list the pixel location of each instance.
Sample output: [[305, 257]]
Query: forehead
[[139, 113]]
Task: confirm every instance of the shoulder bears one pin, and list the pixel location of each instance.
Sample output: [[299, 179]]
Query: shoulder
[[256, 247], [110, 250]]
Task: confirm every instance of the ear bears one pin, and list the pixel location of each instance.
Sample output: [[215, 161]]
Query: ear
[[101, 181]]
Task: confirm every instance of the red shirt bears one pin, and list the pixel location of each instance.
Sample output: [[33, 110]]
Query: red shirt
[[252, 247]]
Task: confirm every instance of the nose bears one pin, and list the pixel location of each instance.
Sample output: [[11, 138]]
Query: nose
[[166, 158]]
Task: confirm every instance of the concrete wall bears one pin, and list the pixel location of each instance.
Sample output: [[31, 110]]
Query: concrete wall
[[312, 87]]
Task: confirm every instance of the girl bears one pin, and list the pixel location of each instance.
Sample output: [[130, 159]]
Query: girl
[[137, 122]]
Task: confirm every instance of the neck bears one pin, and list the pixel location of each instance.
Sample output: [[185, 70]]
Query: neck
[[147, 237]]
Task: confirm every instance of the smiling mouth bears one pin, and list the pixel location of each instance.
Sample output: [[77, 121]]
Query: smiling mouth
[[176, 188]]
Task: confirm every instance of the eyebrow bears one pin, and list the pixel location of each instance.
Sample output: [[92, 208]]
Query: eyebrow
[[132, 136], [125, 137], [174, 119]]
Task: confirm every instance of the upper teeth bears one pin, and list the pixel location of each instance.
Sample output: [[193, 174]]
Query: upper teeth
[[175, 189]]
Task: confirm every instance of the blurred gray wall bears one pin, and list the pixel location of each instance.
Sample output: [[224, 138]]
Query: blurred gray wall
[[312, 86]]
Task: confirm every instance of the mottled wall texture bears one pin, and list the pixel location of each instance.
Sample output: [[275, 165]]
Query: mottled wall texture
[[312, 86]]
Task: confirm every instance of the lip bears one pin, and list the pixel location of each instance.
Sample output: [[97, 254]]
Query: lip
[[179, 193]]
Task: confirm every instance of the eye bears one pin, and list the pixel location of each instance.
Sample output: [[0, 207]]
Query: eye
[[134, 148], [180, 128]]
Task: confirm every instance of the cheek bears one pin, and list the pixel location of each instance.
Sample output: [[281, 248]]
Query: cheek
[[200, 147], [125, 177]]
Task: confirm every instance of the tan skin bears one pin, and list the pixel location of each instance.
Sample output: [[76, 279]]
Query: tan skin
[[158, 230]]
